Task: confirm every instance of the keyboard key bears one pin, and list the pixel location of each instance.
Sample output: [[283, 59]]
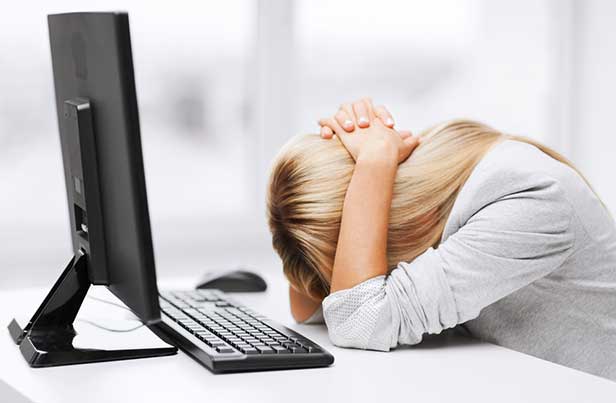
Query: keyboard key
[[206, 297], [298, 350], [272, 343], [249, 350], [265, 349], [234, 311], [279, 349], [225, 350]]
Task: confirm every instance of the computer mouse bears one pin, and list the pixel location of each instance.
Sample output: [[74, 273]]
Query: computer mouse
[[234, 280]]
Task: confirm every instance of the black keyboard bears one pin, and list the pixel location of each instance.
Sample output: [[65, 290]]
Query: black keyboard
[[228, 337]]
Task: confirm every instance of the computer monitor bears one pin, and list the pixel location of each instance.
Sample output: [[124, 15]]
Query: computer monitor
[[91, 59], [103, 167]]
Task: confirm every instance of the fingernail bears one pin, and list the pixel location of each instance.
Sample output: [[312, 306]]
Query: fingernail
[[389, 122], [363, 120], [348, 124]]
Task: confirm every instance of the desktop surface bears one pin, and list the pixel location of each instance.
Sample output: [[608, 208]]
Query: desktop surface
[[443, 368]]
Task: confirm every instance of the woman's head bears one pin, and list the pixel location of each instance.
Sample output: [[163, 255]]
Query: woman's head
[[308, 184]]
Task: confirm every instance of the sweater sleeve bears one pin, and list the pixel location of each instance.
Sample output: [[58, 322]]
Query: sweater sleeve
[[505, 245]]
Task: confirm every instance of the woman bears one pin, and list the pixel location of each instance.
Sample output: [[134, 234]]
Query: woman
[[396, 236]]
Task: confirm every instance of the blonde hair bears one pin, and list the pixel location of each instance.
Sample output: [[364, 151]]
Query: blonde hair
[[310, 177]]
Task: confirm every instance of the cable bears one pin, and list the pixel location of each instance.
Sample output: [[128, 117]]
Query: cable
[[109, 302], [110, 329]]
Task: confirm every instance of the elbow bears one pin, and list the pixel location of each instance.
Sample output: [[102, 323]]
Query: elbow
[[338, 340], [363, 329], [347, 338], [342, 338], [361, 317]]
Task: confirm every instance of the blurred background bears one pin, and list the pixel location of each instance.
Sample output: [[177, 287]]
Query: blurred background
[[223, 84]]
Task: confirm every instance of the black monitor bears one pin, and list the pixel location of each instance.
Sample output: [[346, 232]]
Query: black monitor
[[103, 167], [91, 59]]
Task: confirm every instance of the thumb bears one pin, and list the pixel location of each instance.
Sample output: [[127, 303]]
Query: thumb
[[408, 145], [405, 134]]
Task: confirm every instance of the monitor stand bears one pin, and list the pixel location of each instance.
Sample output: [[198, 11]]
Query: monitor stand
[[47, 339]]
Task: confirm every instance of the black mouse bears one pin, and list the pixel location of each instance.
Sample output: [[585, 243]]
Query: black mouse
[[235, 280]]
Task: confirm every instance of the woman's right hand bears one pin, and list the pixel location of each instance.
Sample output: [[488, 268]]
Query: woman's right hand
[[371, 135]]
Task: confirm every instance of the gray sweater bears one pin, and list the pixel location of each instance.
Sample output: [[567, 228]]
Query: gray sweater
[[527, 261]]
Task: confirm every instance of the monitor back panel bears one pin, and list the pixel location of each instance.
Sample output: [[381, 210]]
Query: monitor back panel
[[91, 58]]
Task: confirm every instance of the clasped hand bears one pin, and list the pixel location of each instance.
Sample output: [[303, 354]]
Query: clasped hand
[[367, 132]]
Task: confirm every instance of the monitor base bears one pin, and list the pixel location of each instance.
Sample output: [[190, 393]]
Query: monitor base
[[47, 339]]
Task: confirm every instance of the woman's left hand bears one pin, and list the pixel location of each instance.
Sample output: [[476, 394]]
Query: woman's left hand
[[356, 115]]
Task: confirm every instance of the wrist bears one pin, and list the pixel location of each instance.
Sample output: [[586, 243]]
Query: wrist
[[379, 153], [377, 165]]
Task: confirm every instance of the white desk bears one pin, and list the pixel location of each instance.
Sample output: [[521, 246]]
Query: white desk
[[442, 369]]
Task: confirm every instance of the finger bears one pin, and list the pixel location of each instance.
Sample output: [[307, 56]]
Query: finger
[[404, 134], [408, 145], [411, 143], [382, 113], [332, 124], [370, 107], [326, 133], [345, 119], [360, 109]]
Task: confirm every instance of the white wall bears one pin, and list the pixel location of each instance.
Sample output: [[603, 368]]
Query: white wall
[[252, 73], [593, 139]]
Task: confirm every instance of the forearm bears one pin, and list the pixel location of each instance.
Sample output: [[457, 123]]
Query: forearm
[[361, 252], [302, 306]]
